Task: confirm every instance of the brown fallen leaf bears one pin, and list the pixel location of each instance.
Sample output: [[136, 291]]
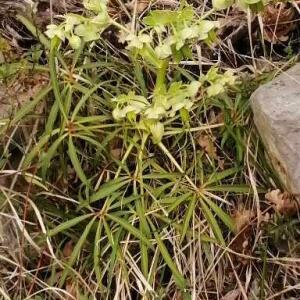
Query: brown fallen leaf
[[116, 150], [206, 142], [72, 291], [283, 203], [278, 20], [242, 218], [68, 249], [139, 5], [232, 295]]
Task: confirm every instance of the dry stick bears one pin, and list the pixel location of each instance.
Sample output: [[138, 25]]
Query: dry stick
[[237, 279], [253, 184], [274, 32], [250, 36], [51, 11]]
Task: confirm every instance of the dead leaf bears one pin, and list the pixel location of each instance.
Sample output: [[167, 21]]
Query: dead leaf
[[221, 163], [141, 5], [206, 142], [68, 249], [232, 295], [242, 218], [278, 20], [116, 148], [72, 291], [283, 203]]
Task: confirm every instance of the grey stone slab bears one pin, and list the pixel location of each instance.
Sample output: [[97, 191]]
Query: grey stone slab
[[276, 108]]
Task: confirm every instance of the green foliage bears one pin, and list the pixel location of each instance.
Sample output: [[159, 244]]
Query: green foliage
[[255, 5], [117, 155]]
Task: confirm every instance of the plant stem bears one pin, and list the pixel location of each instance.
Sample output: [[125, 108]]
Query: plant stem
[[129, 149], [53, 75], [161, 77], [120, 26]]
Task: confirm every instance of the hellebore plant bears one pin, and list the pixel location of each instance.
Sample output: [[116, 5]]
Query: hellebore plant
[[167, 37]]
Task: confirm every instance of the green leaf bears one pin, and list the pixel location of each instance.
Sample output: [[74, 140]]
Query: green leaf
[[46, 158], [221, 4], [75, 162], [76, 252], [234, 188], [108, 188], [218, 176], [97, 253], [212, 222], [68, 224], [227, 220], [187, 217], [82, 101], [179, 279], [134, 231]]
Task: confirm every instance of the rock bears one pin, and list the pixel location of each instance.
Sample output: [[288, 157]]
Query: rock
[[276, 108]]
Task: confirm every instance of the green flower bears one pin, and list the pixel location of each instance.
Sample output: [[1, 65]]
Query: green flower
[[129, 104], [190, 32], [54, 30], [205, 27], [221, 4], [156, 129], [137, 41], [75, 41], [155, 112], [95, 5], [215, 89], [163, 50], [101, 19], [193, 88], [88, 31], [71, 20]]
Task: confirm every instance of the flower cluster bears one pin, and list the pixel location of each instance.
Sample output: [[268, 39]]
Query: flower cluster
[[217, 82], [164, 105], [172, 33], [76, 28]]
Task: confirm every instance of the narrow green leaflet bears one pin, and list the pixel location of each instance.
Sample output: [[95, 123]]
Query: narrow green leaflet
[[68, 224], [135, 232], [213, 223], [76, 252], [75, 162], [107, 189], [227, 220]]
